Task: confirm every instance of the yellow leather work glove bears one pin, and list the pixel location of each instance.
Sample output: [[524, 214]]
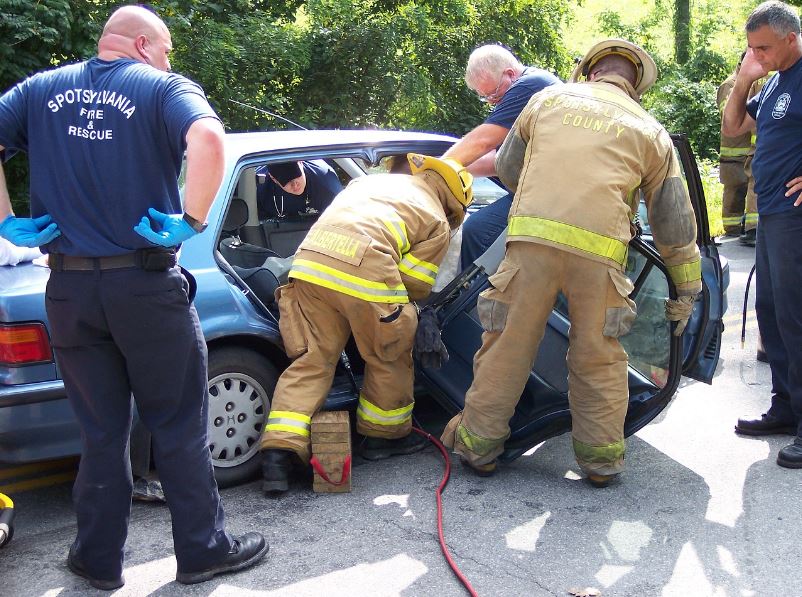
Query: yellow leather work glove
[[680, 310]]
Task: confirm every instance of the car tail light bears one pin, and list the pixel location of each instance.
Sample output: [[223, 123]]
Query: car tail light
[[24, 344]]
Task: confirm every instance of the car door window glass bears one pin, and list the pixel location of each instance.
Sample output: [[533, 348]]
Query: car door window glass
[[648, 344]]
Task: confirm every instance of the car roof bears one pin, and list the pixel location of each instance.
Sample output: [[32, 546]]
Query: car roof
[[264, 142]]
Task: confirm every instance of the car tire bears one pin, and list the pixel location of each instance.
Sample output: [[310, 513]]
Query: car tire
[[241, 384]]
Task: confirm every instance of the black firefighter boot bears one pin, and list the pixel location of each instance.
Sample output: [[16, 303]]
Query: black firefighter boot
[[379, 448], [276, 465]]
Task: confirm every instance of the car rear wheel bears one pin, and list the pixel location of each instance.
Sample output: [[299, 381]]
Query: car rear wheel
[[241, 384]]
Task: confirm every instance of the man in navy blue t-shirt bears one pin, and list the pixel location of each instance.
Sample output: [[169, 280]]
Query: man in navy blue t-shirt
[[293, 189], [773, 33], [499, 79], [105, 140]]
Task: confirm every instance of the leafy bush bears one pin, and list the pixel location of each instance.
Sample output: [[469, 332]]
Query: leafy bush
[[39, 35], [682, 105], [684, 98], [708, 171], [707, 65], [247, 59]]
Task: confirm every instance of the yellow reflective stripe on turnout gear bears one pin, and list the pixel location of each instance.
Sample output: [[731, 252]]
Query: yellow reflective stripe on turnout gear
[[571, 236], [334, 279], [418, 269], [284, 420], [399, 231], [630, 198], [481, 446], [731, 220], [374, 414], [751, 218], [685, 272], [734, 152], [599, 454]]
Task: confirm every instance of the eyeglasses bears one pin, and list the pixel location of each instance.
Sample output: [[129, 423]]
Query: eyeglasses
[[492, 97]]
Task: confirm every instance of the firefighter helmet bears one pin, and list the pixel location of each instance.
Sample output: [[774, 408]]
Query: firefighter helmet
[[646, 68], [456, 176]]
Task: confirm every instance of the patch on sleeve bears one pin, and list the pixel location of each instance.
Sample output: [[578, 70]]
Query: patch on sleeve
[[670, 216], [510, 160]]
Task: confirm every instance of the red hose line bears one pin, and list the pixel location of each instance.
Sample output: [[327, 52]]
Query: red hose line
[[446, 473]]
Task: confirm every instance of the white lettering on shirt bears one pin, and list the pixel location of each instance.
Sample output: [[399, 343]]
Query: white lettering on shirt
[[89, 97], [87, 133]]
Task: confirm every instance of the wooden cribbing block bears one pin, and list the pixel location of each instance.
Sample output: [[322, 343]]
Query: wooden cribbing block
[[331, 446]]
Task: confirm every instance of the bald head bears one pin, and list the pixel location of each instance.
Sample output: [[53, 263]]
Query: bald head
[[130, 21], [135, 32], [614, 64]]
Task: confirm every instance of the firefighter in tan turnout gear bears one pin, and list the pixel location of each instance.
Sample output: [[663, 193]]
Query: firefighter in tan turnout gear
[[375, 249], [578, 156], [739, 202]]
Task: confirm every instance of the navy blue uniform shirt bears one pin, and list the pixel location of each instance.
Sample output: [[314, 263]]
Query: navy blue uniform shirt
[[518, 95], [777, 109], [322, 185], [105, 140]]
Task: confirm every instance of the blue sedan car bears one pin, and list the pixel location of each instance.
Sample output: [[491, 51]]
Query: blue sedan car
[[243, 256]]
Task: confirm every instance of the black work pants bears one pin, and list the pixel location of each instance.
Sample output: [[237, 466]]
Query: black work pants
[[123, 331], [778, 259]]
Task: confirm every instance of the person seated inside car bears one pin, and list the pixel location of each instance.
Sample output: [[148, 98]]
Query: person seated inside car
[[292, 190]]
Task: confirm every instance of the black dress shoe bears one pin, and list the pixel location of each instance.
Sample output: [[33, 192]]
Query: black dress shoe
[[379, 448], [276, 465], [76, 567], [791, 455], [247, 550], [766, 425]]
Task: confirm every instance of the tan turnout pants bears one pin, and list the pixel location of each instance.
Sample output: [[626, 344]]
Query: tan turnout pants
[[514, 314], [738, 202], [315, 325], [750, 211]]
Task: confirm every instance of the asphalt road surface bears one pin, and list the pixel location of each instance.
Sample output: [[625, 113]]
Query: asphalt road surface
[[699, 511]]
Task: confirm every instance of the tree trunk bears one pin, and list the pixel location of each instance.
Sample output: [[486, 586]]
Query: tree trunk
[[682, 30]]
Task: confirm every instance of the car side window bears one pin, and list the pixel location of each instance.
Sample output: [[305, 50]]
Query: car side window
[[648, 343]]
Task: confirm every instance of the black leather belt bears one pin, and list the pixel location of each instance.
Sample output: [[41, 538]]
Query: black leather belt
[[148, 259], [58, 262]]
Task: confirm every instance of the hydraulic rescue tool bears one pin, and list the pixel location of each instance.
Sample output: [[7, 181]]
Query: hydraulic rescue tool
[[6, 519]]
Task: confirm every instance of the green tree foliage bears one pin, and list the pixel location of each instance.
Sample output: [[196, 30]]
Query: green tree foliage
[[361, 63], [692, 109], [400, 64], [40, 35], [684, 98], [246, 59]]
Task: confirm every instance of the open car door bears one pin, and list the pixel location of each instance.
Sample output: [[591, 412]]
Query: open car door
[[657, 359], [702, 341]]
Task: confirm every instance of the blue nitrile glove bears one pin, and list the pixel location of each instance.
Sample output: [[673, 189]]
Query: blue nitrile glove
[[29, 232], [174, 229], [429, 348]]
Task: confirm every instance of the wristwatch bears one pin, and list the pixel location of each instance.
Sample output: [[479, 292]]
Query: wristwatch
[[194, 224]]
